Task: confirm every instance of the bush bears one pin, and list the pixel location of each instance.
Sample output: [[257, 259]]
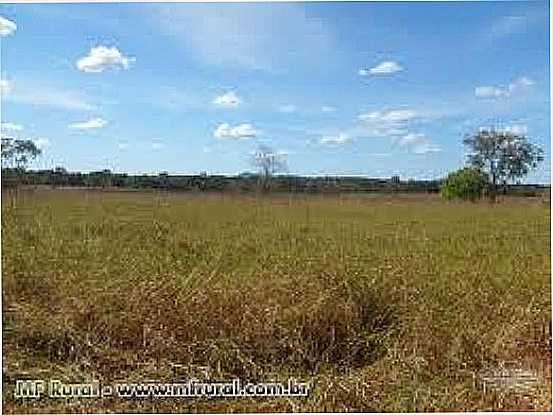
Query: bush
[[467, 184]]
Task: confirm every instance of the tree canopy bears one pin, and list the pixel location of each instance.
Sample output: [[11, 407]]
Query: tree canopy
[[18, 153], [502, 155]]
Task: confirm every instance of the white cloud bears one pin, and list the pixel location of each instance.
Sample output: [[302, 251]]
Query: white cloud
[[328, 108], [122, 146], [8, 126], [412, 138], [7, 27], [397, 124], [388, 122], [245, 131], [390, 116], [5, 86], [42, 143], [257, 38], [228, 100], [520, 85], [101, 58], [91, 124], [507, 25], [35, 94], [516, 129], [383, 68], [288, 108], [490, 92], [516, 87], [418, 143], [52, 97], [339, 139], [425, 148], [157, 146], [515, 24]]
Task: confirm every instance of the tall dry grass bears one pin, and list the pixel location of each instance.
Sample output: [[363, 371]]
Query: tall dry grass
[[387, 304]]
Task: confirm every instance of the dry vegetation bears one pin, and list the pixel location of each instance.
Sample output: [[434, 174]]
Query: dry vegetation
[[382, 304]]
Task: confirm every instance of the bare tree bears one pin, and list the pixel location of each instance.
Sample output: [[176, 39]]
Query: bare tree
[[268, 162]]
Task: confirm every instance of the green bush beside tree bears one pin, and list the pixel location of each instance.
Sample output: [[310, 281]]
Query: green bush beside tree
[[467, 184]]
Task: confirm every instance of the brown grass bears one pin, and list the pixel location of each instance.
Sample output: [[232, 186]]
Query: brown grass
[[382, 304]]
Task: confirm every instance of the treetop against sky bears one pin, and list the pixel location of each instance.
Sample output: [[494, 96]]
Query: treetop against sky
[[376, 89]]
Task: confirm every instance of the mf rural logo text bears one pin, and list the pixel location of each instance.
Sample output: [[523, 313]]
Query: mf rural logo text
[[190, 389]]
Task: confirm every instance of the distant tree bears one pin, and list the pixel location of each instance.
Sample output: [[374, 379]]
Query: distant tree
[[59, 176], [468, 184], [163, 179], [105, 178], [268, 163], [18, 153], [502, 155]]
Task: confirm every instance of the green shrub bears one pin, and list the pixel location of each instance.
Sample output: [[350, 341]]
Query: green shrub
[[467, 184]]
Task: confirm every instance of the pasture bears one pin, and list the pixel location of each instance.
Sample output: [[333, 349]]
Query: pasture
[[380, 303]]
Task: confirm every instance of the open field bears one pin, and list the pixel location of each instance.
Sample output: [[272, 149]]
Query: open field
[[382, 304]]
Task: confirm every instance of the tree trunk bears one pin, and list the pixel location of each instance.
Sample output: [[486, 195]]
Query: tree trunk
[[493, 189]]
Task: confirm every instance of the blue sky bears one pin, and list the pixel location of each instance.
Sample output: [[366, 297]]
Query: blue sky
[[372, 89]]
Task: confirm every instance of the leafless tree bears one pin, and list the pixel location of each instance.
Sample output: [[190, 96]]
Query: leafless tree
[[268, 162]]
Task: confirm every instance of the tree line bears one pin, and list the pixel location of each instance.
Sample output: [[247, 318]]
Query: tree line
[[497, 159]]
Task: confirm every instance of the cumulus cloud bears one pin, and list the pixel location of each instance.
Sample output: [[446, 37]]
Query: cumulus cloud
[[8, 126], [383, 68], [334, 140], [93, 123], [228, 100], [518, 86], [7, 27], [101, 58], [238, 131]]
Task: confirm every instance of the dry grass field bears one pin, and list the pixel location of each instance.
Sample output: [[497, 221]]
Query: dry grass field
[[380, 303]]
